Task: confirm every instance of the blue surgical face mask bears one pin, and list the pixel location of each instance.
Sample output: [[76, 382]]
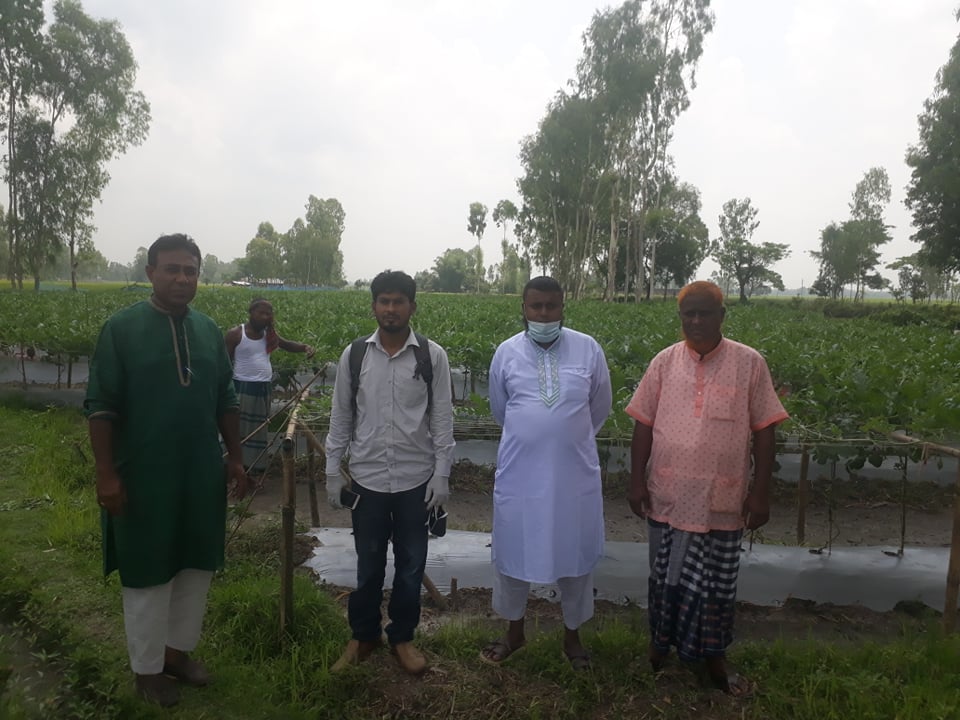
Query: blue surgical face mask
[[543, 332]]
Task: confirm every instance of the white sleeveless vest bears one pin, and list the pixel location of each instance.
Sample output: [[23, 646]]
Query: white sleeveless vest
[[250, 359]]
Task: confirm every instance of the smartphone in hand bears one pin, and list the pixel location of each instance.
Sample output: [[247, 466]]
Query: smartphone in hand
[[349, 499]]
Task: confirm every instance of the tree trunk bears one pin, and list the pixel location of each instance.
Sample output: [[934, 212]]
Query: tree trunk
[[653, 270], [73, 262], [12, 210], [614, 244], [639, 288]]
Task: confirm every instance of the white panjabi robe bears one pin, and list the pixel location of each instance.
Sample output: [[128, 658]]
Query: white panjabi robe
[[547, 496]]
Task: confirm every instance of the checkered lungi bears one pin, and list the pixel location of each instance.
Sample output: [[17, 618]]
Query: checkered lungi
[[692, 590], [254, 400]]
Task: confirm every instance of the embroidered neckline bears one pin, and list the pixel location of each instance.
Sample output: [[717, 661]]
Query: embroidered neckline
[[549, 392], [184, 373]]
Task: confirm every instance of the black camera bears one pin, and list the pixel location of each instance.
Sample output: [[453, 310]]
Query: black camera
[[437, 521]]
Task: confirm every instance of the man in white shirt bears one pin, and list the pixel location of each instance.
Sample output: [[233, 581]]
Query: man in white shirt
[[249, 347], [400, 443], [550, 390]]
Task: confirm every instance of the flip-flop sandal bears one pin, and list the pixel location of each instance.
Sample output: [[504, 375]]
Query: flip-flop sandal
[[734, 685], [498, 652], [578, 662]]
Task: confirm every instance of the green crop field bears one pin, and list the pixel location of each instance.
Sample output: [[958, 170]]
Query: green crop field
[[843, 370]]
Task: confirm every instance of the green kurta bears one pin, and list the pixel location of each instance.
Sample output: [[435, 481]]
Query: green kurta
[[163, 382]]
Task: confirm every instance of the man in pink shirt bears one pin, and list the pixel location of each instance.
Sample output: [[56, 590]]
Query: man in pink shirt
[[703, 407]]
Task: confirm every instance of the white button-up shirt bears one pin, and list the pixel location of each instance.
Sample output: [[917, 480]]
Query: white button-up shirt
[[395, 445]]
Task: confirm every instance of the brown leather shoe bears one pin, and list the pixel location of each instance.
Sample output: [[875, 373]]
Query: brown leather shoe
[[410, 659], [355, 652], [179, 665], [158, 689]]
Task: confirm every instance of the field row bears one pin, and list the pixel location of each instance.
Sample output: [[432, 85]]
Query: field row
[[839, 378]]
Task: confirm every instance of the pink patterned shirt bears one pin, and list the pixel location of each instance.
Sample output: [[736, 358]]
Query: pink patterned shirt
[[703, 414]]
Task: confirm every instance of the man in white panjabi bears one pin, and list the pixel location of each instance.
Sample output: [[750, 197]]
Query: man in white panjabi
[[550, 391]]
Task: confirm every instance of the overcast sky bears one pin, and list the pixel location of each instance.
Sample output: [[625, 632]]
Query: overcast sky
[[407, 112]]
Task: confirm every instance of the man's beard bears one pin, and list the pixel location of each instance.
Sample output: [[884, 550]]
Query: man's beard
[[393, 329]]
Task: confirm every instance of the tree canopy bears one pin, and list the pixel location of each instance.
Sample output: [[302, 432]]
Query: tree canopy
[[933, 193], [68, 106], [749, 264], [598, 161]]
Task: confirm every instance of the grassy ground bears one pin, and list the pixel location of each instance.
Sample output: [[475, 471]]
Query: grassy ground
[[59, 608]]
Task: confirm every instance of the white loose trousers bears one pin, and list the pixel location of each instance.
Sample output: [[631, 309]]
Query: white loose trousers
[[161, 616], [576, 598]]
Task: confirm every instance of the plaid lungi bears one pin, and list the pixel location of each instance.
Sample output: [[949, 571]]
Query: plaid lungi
[[254, 400], [692, 590]]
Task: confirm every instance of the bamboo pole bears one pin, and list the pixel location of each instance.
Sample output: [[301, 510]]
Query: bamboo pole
[[953, 567], [288, 514], [439, 599], [803, 495], [312, 486]]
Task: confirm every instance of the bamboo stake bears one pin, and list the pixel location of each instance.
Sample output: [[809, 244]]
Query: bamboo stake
[[312, 486], [439, 599], [287, 513], [803, 495], [953, 569]]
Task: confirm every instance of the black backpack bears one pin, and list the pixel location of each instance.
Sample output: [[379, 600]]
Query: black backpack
[[424, 368]]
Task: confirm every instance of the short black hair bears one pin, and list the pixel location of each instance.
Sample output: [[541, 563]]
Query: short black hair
[[177, 241], [258, 301], [390, 281], [542, 284]]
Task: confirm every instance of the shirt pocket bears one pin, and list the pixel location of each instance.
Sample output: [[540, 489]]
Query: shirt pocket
[[411, 392], [722, 402], [575, 383], [727, 495]]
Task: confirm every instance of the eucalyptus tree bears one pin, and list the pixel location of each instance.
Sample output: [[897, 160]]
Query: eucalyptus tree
[[70, 107], [505, 213], [639, 64], [749, 264], [311, 248], [565, 190], [933, 193], [21, 42], [477, 226]]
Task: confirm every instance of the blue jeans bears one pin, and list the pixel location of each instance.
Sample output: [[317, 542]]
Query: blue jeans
[[379, 517]]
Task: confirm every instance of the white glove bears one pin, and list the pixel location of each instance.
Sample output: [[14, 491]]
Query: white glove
[[438, 491], [335, 483]]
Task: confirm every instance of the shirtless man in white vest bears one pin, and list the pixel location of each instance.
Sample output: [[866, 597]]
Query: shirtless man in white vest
[[249, 346]]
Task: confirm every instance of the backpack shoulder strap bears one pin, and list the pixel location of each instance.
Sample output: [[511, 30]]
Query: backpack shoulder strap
[[424, 367], [358, 348]]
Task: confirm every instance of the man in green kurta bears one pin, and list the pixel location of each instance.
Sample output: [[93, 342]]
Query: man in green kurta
[[160, 396]]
